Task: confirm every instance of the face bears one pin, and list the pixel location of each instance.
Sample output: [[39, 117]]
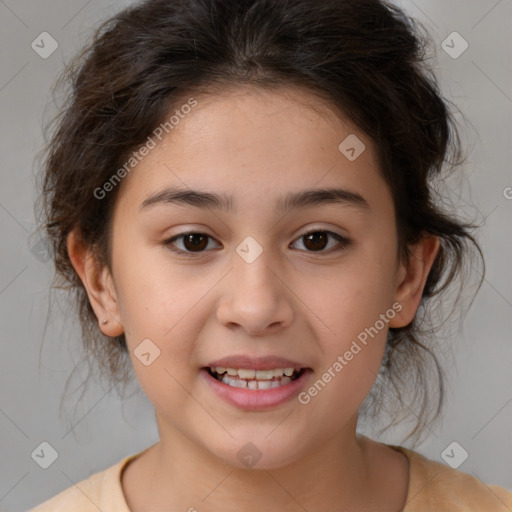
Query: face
[[251, 289]]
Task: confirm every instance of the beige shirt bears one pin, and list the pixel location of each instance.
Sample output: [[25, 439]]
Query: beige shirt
[[433, 487]]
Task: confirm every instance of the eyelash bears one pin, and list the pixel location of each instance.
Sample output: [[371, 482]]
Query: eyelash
[[345, 242]]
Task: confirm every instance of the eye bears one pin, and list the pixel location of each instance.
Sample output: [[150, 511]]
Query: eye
[[317, 240], [196, 242], [193, 242]]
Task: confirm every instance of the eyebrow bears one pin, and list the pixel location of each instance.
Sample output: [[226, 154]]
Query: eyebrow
[[291, 201]]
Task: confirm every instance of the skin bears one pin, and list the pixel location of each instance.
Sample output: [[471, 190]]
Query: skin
[[291, 301]]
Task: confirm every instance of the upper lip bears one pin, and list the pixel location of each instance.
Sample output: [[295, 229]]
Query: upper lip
[[255, 362]]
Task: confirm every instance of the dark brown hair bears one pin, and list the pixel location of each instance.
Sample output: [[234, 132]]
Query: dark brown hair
[[365, 57]]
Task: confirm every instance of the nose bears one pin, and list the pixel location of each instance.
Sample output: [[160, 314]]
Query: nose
[[254, 297]]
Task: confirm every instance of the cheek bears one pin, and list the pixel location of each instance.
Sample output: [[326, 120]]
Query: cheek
[[154, 296], [346, 378], [355, 308], [350, 298], [159, 310]]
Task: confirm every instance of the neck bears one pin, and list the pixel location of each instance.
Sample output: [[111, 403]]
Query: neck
[[333, 474]]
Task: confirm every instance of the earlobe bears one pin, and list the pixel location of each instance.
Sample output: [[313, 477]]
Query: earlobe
[[412, 278], [98, 283]]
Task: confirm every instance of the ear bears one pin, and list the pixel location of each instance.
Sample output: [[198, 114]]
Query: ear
[[412, 278], [98, 283]]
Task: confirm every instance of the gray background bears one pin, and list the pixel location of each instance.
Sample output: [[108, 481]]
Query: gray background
[[102, 430]]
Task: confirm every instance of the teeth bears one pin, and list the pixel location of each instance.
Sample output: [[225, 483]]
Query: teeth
[[246, 374], [255, 374], [252, 384], [255, 384], [266, 374]]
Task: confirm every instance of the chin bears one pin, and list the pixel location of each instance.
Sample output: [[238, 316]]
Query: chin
[[256, 452]]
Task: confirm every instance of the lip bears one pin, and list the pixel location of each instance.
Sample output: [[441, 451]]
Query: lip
[[256, 362], [256, 399]]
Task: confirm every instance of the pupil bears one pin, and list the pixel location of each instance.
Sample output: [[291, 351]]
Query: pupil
[[313, 237], [192, 239]]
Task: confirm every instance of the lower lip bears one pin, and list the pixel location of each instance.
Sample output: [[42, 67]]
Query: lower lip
[[255, 399]]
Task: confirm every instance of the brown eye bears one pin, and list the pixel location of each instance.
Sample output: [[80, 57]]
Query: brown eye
[[195, 241], [317, 241], [191, 242]]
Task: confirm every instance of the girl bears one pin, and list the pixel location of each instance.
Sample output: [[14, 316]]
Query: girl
[[240, 193]]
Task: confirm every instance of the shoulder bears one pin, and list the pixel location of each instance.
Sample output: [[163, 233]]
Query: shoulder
[[436, 486], [100, 491]]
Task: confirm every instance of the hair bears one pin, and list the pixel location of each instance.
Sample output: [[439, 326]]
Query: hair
[[366, 58]]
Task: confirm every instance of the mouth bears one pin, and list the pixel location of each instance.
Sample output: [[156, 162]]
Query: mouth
[[249, 378], [255, 382], [267, 385]]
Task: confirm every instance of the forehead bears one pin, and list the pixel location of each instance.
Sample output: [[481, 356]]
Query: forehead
[[289, 119], [251, 140]]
